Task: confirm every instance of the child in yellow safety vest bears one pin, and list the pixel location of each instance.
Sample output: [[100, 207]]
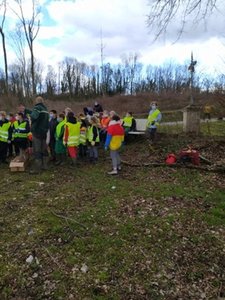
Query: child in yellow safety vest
[[60, 149], [72, 136], [93, 139], [129, 123], [5, 136], [12, 147], [21, 129], [83, 136]]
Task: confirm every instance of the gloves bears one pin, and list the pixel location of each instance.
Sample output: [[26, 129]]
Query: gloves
[[92, 143]]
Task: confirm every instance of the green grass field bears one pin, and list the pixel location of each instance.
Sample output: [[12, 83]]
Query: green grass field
[[148, 233], [206, 128]]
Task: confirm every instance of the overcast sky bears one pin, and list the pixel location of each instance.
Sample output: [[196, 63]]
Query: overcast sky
[[73, 28]]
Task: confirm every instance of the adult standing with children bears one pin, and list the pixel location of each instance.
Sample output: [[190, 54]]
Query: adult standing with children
[[39, 128]]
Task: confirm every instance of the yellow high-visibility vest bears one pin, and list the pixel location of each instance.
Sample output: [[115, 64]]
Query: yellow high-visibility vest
[[59, 128], [90, 134], [4, 132], [152, 117], [74, 134], [20, 128], [127, 121]]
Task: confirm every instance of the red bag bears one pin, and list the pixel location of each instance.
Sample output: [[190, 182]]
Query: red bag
[[171, 159]]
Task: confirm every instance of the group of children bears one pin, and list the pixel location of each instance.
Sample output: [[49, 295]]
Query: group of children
[[14, 135], [81, 137], [68, 135]]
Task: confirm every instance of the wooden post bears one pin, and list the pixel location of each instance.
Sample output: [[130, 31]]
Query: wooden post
[[191, 119]]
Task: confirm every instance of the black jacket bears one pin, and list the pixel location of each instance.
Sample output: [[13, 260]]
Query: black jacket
[[52, 127], [98, 108]]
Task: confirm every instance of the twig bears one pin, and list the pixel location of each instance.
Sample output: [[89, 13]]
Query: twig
[[67, 219], [208, 169], [52, 258], [205, 160]]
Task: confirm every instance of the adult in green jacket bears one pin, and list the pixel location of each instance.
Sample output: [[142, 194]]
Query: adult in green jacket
[[39, 128]]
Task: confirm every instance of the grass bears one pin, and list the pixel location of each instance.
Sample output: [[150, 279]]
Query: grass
[[206, 128], [158, 234]]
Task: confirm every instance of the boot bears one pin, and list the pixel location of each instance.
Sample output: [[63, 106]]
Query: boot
[[60, 160], [45, 163], [36, 169], [74, 162]]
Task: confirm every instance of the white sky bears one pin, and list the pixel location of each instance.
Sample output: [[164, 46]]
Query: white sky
[[72, 28]]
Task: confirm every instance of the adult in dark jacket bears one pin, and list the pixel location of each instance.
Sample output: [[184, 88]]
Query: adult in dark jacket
[[39, 128], [97, 108], [52, 128]]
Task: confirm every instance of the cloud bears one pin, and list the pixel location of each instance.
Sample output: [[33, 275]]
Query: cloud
[[122, 25], [74, 28]]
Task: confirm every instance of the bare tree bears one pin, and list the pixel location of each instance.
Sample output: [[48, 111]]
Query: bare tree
[[130, 65], [3, 6], [18, 44], [31, 28], [162, 12], [51, 81]]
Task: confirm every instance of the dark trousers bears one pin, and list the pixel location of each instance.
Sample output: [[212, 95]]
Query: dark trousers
[[39, 147], [82, 151], [52, 149], [103, 134], [93, 153], [3, 151], [20, 144], [12, 147], [151, 133], [10, 150]]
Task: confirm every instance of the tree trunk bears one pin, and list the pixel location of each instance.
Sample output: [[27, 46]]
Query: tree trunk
[[33, 70], [5, 61]]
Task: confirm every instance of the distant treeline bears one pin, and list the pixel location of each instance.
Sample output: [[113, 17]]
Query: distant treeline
[[80, 80]]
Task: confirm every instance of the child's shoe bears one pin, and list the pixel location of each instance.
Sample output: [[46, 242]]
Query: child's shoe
[[113, 172]]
